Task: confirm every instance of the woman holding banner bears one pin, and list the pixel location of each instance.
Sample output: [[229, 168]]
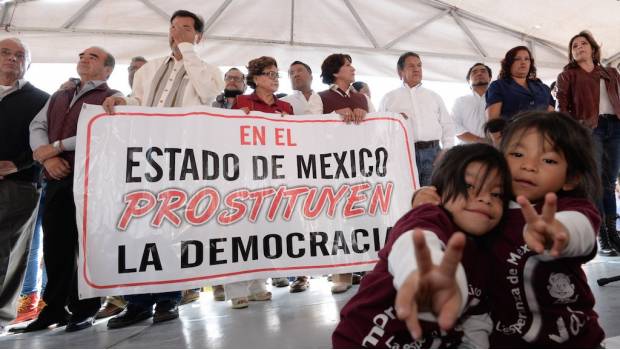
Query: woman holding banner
[[352, 106], [263, 78]]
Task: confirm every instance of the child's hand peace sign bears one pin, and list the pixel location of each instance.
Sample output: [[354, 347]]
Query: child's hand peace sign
[[432, 287], [543, 231]]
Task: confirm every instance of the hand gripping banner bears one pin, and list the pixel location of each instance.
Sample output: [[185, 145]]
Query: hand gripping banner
[[175, 198]]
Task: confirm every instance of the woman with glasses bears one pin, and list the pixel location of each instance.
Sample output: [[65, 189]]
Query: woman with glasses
[[263, 77]]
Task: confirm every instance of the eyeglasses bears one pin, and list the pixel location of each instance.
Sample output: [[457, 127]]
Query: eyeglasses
[[5, 53], [272, 75], [235, 79]]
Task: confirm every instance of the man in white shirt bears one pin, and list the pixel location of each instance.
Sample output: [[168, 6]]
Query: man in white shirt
[[178, 80], [425, 112], [304, 100], [468, 111]]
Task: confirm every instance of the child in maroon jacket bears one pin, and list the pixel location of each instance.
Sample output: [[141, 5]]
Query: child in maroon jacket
[[540, 293], [473, 180]]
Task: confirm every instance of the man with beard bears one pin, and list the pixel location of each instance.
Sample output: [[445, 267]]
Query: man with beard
[[180, 79], [468, 111], [235, 86]]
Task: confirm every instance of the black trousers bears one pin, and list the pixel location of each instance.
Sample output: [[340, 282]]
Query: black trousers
[[18, 214], [60, 252]]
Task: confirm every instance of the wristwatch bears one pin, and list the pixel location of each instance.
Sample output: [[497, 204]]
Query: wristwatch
[[56, 146]]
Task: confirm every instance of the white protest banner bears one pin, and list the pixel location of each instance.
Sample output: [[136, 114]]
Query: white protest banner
[[174, 198]]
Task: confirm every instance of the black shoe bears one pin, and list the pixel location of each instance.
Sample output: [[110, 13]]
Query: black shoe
[[165, 311], [79, 323], [612, 237], [129, 316], [45, 319]]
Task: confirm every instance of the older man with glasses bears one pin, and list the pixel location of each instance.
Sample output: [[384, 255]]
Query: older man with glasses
[[19, 104], [235, 86]]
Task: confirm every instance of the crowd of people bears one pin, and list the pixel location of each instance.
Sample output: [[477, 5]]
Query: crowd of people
[[540, 153]]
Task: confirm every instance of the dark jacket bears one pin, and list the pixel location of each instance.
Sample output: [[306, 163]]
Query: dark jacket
[[579, 92], [16, 112]]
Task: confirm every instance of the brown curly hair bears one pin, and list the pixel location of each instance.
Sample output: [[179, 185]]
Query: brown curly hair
[[509, 59], [257, 66]]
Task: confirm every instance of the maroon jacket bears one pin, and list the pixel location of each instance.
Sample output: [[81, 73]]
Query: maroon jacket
[[333, 101], [62, 120], [579, 92], [369, 319], [538, 303]]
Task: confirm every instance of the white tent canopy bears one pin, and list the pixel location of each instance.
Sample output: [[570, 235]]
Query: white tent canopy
[[450, 35]]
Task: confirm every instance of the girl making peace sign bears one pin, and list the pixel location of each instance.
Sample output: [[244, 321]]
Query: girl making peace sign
[[540, 293]]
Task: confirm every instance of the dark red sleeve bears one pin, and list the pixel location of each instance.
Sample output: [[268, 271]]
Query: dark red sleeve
[[286, 107], [242, 101], [425, 217], [564, 93]]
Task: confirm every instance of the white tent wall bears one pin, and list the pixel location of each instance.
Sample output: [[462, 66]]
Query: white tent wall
[[450, 35]]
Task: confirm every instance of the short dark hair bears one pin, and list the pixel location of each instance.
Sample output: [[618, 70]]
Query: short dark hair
[[331, 65], [449, 175], [568, 137], [400, 64], [476, 65], [256, 67], [358, 85], [234, 68], [138, 59], [596, 49], [199, 23], [303, 64], [553, 85], [495, 125], [509, 59]]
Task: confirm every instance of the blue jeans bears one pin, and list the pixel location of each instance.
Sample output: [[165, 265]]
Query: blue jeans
[[34, 262], [146, 301], [424, 159], [606, 137]]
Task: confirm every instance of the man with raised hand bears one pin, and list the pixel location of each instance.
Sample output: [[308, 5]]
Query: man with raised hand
[[180, 79]]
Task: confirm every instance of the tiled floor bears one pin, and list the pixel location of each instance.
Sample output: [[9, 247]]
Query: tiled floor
[[303, 320]]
